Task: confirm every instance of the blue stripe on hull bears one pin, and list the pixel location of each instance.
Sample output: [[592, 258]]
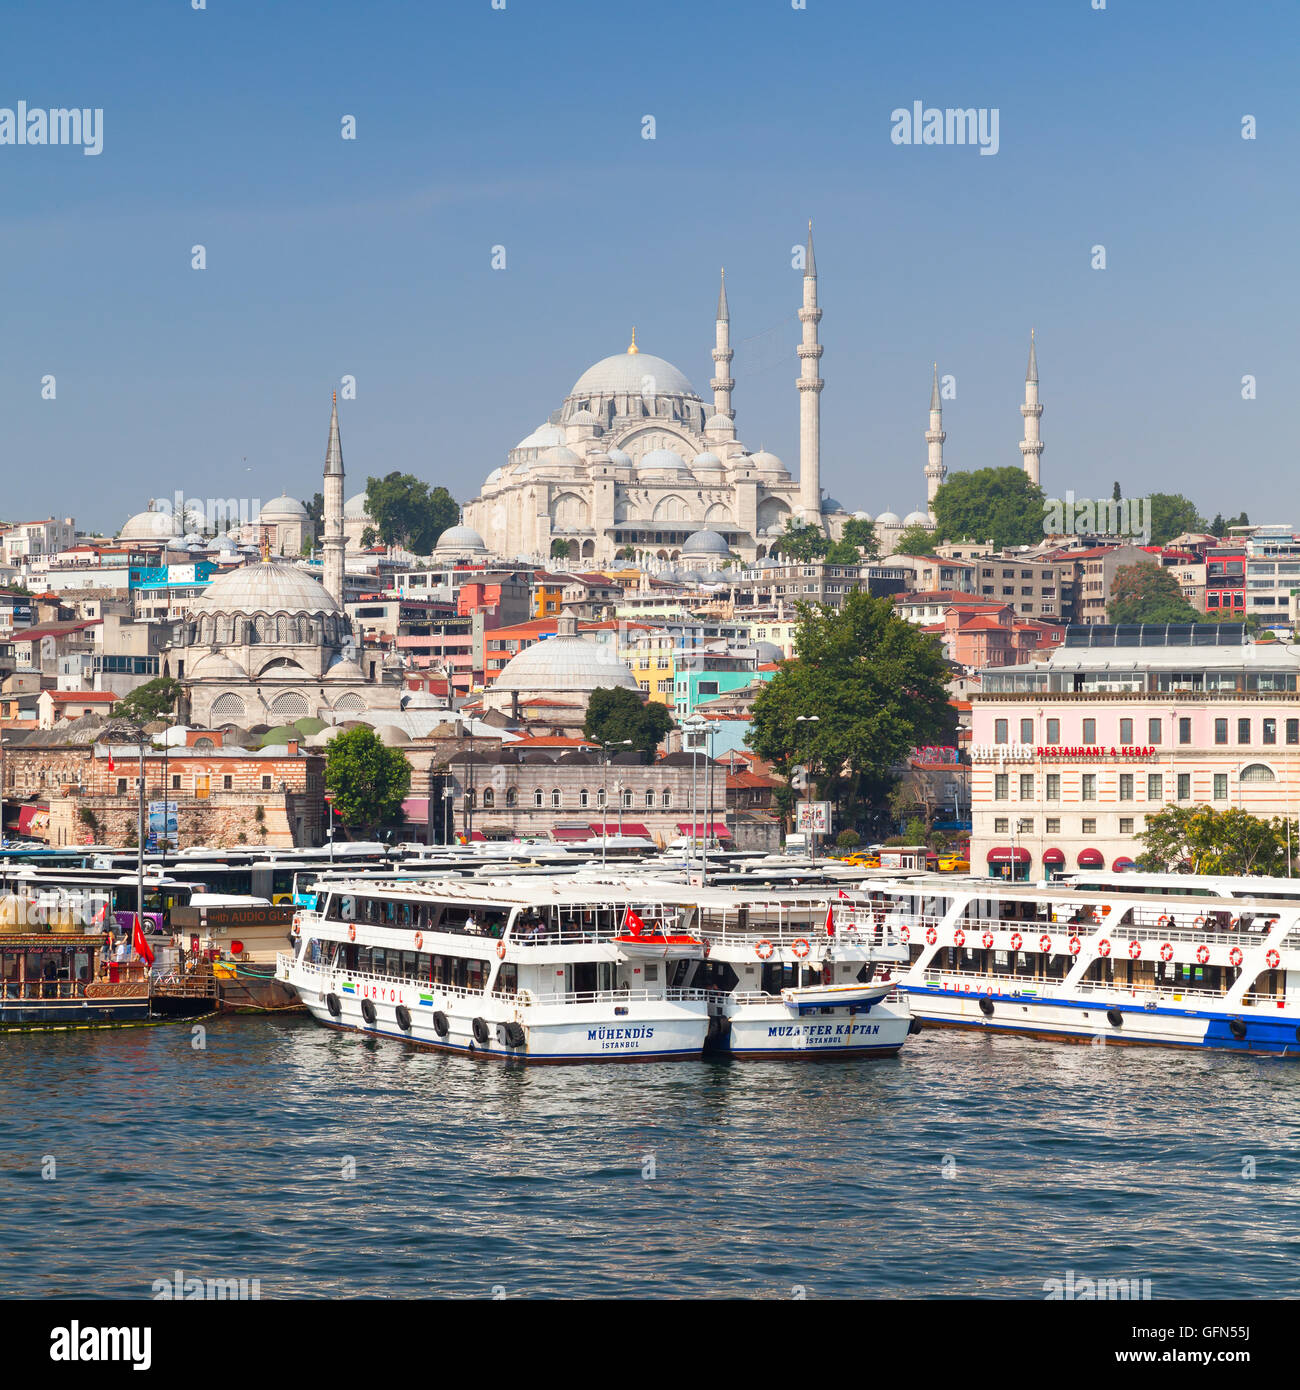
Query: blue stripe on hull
[[809, 1054]]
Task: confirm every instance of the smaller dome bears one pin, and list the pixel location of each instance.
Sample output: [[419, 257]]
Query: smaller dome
[[493, 477], [706, 542], [916, 519], [888, 519], [583, 417], [460, 540], [707, 459], [391, 736], [767, 652], [545, 436], [719, 422], [620, 458], [283, 508], [766, 462], [343, 668], [861, 516], [217, 666], [560, 457], [354, 509], [664, 461]]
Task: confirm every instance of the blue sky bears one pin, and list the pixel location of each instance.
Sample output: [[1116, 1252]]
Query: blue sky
[[522, 127]]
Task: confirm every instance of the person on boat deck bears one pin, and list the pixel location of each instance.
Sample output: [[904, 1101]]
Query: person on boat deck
[[122, 951], [471, 924], [50, 975]]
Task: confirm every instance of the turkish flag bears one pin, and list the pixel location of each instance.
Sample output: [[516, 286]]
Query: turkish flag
[[633, 923], [139, 944], [830, 920], [112, 766]]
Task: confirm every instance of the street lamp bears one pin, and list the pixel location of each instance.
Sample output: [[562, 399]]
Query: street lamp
[[605, 746], [130, 732], [812, 830], [329, 812], [166, 811]]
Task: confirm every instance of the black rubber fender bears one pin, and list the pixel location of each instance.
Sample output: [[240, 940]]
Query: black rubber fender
[[510, 1034], [1116, 1018], [440, 1024], [482, 1033], [368, 1011], [914, 1026], [1237, 1027], [403, 1016], [333, 1005], [986, 1007]]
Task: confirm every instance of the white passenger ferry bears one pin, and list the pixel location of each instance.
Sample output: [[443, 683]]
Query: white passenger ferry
[[1124, 962], [527, 971]]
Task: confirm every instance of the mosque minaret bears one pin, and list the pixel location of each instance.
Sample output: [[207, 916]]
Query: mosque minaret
[[723, 383], [333, 542], [935, 472], [1031, 447], [810, 389]]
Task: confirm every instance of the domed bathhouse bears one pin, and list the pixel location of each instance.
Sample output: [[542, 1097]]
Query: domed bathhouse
[[636, 460], [561, 671]]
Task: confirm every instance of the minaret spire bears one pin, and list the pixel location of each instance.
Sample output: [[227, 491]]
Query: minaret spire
[[935, 472], [1031, 447], [722, 383], [332, 539], [810, 387]]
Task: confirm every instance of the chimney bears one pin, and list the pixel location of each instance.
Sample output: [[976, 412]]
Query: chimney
[[292, 746], [566, 625]]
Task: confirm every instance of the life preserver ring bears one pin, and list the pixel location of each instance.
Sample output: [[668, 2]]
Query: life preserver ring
[[931, 936], [959, 937], [1075, 945], [1134, 950], [352, 932], [1103, 947], [501, 950], [1163, 920], [1017, 941], [419, 940], [1234, 956], [905, 933], [297, 928], [1199, 922], [987, 940], [1045, 944], [1095, 918], [763, 949], [800, 948], [1272, 960], [1203, 953], [1167, 951]]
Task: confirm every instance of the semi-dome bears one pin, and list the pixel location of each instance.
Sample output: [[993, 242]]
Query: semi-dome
[[706, 542], [354, 509], [266, 588], [560, 456], [217, 666], [283, 508], [719, 422], [583, 417], [565, 664], [626, 372], [543, 437], [620, 458], [460, 540]]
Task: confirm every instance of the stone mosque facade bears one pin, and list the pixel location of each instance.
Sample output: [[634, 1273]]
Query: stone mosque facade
[[635, 460]]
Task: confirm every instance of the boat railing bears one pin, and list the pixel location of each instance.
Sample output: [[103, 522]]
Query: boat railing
[[853, 935], [529, 998], [518, 935], [1029, 986], [1031, 931]]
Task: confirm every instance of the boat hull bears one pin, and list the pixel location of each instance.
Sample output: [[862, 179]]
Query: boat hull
[[775, 1032]]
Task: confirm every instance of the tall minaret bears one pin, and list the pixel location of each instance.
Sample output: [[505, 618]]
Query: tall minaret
[[810, 387], [935, 472], [332, 541], [1031, 446], [722, 383]]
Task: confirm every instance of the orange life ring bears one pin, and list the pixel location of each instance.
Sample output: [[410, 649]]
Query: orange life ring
[[1273, 960], [1103, 948], [352, 932], [419, 940], [501, 950], [1134, 950], [1163, 920], [1095, 918], [1167, 951], [959, 937], [297, 928], [987, 940], [931, 936], [1045, 944], [1075, 945], [1234, 956], [1017, 941], [1203, 953], [1199, 922], [763, 949], [905, 933], [795, 947]]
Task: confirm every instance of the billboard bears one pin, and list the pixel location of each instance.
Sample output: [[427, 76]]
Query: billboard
[[163, 825], [813, 817]]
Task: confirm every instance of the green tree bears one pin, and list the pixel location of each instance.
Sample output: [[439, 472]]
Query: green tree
[[843, 553], [368, 537], [1000, 504], [848, 839], [1171, 515], [408, 513], [861, 531], [876, 684], [559, 550], [1201, 840], [148, 701], [316, 510], [366, 779], [627, 552], [801, 542], [1115, 494], [915, 540], [1148, 593], [1218, 526], [617, 713]]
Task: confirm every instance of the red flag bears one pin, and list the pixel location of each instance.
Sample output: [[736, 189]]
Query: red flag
[[633, 923], [830, 920], [112, 766], [843, 894], [139, 944]]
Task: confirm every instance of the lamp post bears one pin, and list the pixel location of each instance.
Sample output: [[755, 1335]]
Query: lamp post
[[809, 719], [166, 795], [448, 814], [329, 815], [130, 732], [604, 794]]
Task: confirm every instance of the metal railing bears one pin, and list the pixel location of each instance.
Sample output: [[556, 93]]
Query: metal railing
[[1245, 937], [1152, 991]]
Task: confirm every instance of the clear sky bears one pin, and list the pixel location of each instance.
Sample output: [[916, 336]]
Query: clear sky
[[522, 127]]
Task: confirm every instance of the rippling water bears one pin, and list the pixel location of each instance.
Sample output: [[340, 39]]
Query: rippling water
[[968, 1166]]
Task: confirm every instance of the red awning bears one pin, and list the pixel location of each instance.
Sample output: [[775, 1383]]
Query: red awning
[[630, 827], [1123, 865], [416, 809], [27, 813], [571, 832], [1053, 856], [713, 827], [1004, 854], [1090, 859]]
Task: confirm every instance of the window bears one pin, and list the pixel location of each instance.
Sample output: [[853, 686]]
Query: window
[[1090, 731], [176, 782], [649, 798], [1000, 825], [537, 796], [667, 798], [1220, 731], [1293, 730], [1126, 731], [1184, 786], [999, 731], [555, 796], [121, 786], [1155, 786], [489, 798], [1053, 825], [1053, 731], [1026, 731], [1155, 731], [227, 782], [1220, 786], [1089, 826], [1258, 772], [266, 781], [1126, 786], [1089, 792], [1026, 786], [1126, 825], [1243, 730], [1053, 786], [582, 797], [1001, 786], [1269, 734], [1184, 731], [512, 797]]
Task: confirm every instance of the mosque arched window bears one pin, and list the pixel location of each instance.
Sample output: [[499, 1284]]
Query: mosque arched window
[[649, 798], [668, 798], [582, 797], [555, 796], [489, 798], [537, 797]]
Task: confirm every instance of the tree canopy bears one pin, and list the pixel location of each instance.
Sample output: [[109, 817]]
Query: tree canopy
[[876, 684], [148, 701], [1000, 504], [366, 779], [915, 540], [861, 531], [1148, 593], [1201, 840], [316, 510], [1171, 515], [843, 553], [407, 512], [618, 713], [798, 542]]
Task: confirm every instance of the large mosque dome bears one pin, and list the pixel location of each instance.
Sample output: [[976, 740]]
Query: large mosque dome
[[158, 523], [626, 373], [266, 588], [569, 665]]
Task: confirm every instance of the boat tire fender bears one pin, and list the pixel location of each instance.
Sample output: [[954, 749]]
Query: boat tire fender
[[986, 1008], [440, 1024], [403, 1016], [333, 1005], [1237, 1027], [1116, 1018], [482, 1035], [368, 1011]]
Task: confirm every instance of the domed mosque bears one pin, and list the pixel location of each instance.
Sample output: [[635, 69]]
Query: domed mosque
[[635, 459], [561, 671]]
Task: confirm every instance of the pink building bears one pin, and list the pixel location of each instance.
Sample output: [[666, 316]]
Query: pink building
[[1070, 755]]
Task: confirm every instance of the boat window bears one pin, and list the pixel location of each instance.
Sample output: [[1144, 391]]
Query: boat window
[[508, 978]]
